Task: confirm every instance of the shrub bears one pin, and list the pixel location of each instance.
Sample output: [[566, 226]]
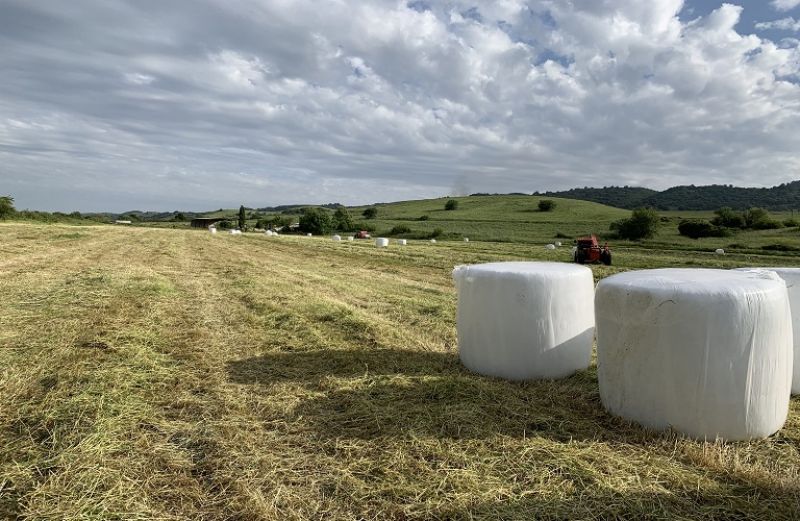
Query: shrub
[[370, 213], [728, 218], [791, 223], [6, 207], [546, 205], [560, 235], [400, 229], [642, 224], [437, 232], [759, 219], [697, 228], [316, 221], [342, 220], [224, 225], [423, 218], [451, 204]]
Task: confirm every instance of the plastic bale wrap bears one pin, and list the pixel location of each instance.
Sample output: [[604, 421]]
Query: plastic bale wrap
[[791, 276], [525, 320], [212, 230], [309, 235], [466, 239], [381, 242], [351, 238], [550, 247], [402, 242], [719, 251], [433, 241], [705, 352], [337, 238]]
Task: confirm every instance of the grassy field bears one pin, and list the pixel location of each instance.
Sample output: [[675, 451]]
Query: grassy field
[[171, 374]]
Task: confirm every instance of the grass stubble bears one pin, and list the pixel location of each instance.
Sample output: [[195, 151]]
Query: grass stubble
[[162, 374]]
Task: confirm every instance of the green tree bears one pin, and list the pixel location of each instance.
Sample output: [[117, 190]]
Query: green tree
[[6, 207], [546, 205], [728, 218], [316, 221], [451, 204], [242, 218], [178, 217], [370, 213], [642, 224], [759, 219], [342, 220]]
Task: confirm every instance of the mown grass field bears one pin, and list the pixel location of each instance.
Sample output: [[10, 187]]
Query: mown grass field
[[171, 374]]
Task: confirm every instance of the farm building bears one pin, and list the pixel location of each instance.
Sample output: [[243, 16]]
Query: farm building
[[205, 222]]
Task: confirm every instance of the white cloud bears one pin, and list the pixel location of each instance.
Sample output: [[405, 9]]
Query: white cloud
[[785, 5], [784, 24], [267, 102]]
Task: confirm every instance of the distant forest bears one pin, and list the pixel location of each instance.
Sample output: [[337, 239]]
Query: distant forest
[[691, 197]]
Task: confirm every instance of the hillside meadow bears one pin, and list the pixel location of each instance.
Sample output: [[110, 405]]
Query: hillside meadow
[[153, 373]]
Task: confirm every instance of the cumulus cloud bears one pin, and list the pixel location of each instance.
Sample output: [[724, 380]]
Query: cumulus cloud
[[210, 103], [785, 5], [784, 24]]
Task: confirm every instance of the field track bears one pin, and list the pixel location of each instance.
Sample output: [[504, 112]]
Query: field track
[[169, 374]]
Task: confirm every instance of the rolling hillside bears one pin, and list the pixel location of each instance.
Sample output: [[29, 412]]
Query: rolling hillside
[[699, 198]]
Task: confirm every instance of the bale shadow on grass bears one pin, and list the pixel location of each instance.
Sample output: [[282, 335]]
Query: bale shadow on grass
[[738, 501], [390, 392]]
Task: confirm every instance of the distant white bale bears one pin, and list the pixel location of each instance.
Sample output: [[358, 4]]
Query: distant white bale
[[351, 238], [337, 238], [433, 241], [525, 320], [381, 242], [212, 230], [234, 232], [269, 233], [551, 247], [308, 235], [705, 352], [720, 251], [558, 244], [791, 276], [466, 239], [402, 242]]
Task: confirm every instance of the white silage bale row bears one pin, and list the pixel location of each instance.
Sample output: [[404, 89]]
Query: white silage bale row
[[381, 242]]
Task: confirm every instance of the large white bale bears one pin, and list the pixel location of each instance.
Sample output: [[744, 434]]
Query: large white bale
[[719, 251], [351, 238], [791, 276], [337, 238], [466, 239], [558, 244], [705, 352], [550, 247], [268, 233], [381, 242], [402, 242], [308, 235], [525, 320], [433, 241], [212, 230]]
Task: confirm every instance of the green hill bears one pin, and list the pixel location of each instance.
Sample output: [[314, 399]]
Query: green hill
[[690, 197]]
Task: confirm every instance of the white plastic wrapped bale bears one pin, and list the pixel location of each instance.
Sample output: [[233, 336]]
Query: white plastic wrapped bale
[[550, 247], [719, 251], [337, 238], [705, 352], [309, 235], [381, 242], [558, 244], [525, 320], [466, 239], [351, 238], [212, 230], [268, 233], [402, 242], [791, 276], [433, 241]]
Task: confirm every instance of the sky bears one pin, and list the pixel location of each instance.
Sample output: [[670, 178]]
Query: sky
[[115, 105]]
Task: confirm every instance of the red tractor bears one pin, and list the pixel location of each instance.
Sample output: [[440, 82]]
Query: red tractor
[[587, 249], [363, 234]]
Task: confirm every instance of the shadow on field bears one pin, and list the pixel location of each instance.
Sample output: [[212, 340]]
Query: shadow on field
[[739, 501], [387, 392]]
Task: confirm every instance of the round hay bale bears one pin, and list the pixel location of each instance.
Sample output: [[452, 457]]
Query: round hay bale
[[705, 352], [525, 320]]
